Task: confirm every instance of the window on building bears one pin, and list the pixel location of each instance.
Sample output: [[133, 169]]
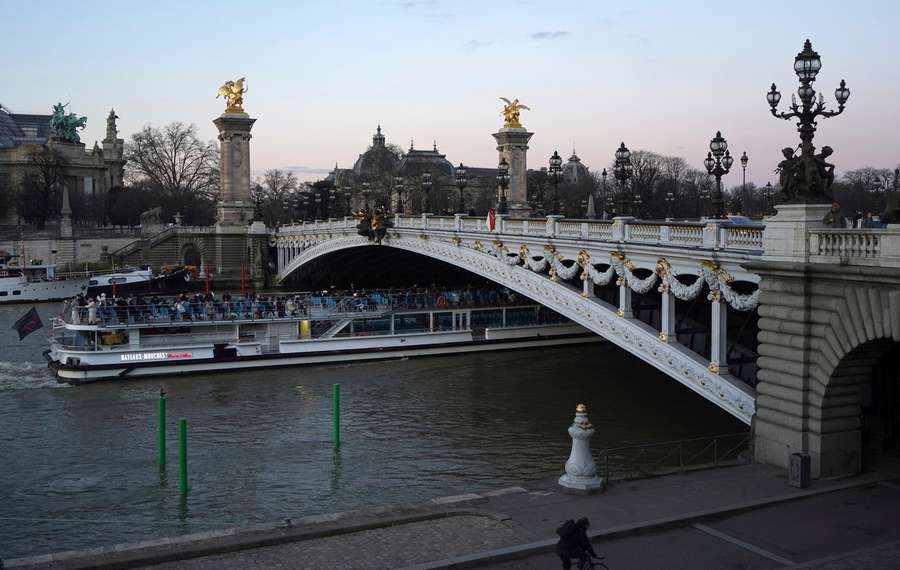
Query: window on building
[[88, 185]]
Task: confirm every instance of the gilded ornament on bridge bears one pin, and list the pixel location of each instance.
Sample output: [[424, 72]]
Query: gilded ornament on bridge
[[456, 241], [580, 409], [233, 91], [477, 245], [617, 256], [510, 113], [523, 252], [583, 258]]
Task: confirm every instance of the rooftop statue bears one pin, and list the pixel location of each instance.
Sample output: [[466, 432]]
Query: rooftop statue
[[233, 91], [511, 113], [65, 126]]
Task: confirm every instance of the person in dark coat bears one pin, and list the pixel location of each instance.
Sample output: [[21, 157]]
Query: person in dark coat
[[574, 542]]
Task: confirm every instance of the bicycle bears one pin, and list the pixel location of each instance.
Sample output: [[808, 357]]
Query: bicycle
[[592, 563]]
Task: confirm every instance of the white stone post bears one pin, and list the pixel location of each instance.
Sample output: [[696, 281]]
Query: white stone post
[[581, 471], [718, 328], [457, 222], [667, 325], [624, 299], [587, 284], [553, 224], [619, 232]]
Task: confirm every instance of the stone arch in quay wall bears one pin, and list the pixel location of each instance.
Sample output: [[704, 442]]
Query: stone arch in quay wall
[[633, 336], [829, 353]]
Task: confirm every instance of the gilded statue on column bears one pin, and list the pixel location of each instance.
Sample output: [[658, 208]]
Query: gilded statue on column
[[511, 113], [233, 91]]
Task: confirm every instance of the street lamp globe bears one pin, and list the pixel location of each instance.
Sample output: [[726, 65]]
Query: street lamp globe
[[462, 179], [807, 63], [744, 159], [717, 145], [709, 162], [842, 93], [623, 154], [555, 162], [727, 161]]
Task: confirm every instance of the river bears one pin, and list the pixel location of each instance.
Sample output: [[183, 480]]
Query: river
[[80, 463]]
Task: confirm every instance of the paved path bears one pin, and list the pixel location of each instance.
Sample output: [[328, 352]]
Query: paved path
[[383, 548], [735, 517]]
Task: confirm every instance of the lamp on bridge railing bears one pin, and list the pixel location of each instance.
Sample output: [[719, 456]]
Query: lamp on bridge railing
[[744, 160], [332, 196], [670, 202], [426, 190], [605, 200], [805, 178], [718, 162], [318, 209], [769, 195], [503, 183], [462, 180], [348, 198], [366, 192], [555, 172], [398, 187], [622, 170]]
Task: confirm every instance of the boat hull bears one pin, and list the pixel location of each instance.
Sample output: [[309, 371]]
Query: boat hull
[[201, 359], [42, 291]]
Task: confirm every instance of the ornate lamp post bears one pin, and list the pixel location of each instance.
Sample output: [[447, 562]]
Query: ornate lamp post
[[426, 190], [366, 192], [744, 160], [622, 170], [332, 197], [555, 172], [462, 181], [811, 180], [348, 197], [718, 162], [318, 212], [670, 202], [605, 200], [769, 196], [503, 183], [398, 186]]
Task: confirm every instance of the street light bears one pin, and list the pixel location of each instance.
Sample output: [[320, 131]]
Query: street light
[[348, 196], [398, 186], [718, 162], [807, 181], [622, 170], [555, 172], [426, 190], [744, 160], [461, 182], [670, 202], [366, 191], [503, 183], [605, 199], [769, 196]]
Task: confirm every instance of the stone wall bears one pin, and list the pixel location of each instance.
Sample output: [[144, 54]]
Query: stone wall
[[58, 250], [821, 330]]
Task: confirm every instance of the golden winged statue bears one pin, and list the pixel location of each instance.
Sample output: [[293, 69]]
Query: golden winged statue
[[233, 91], [511, 113]]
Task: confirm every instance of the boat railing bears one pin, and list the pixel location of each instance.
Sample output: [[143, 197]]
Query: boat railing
[[175, 312]]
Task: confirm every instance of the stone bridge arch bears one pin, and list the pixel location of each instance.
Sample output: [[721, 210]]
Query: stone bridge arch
[[825, 337], [635, 337]]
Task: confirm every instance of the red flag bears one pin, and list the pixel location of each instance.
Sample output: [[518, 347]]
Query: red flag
[[28, 323], [113, 281], [491, 220]]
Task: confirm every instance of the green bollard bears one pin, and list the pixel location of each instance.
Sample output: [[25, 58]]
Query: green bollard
[[182, 456], [162, 428], [336, 415]]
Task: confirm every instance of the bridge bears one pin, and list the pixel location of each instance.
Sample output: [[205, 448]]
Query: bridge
[[818, 310]]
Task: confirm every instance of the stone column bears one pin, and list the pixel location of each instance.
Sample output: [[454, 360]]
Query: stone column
[[234, 207], [512, 144], [667, 324], [719, 331], [624, 299]]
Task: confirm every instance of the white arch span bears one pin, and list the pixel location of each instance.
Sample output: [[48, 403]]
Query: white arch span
[[639, 339]]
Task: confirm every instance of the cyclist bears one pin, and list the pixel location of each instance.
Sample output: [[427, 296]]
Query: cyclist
[[574, 542]]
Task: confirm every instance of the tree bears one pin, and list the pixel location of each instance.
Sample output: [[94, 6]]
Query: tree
[[179, 168], [863, 189], [273, 196], [39, 196]]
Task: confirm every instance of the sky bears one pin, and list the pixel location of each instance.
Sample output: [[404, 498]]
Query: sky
[[661, 76]]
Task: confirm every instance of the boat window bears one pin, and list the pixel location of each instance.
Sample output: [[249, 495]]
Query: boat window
[[486, 319], [521, 317], [443, 321], [114, 338], [414, 323], [3, 293], [366, 327], [118, 280], [17, 292], [94, 282], [165, 330]]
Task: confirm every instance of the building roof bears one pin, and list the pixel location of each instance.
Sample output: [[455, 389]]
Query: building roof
[[18, 128]]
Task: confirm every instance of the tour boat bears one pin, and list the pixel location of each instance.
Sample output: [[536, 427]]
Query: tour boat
[[132, 281], [125, 341], [32, 283]]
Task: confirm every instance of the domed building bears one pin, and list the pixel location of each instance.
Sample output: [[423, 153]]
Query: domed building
[[378, 160], [574, 171]]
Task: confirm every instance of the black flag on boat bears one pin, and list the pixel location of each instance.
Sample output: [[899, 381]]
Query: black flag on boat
[[28, 323]]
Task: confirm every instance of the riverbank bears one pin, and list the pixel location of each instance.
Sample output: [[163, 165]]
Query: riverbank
[[518, 523]]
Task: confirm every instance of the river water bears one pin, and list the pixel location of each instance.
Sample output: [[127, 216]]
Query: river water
[[80, 463]]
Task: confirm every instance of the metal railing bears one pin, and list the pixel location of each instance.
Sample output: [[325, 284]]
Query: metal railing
[[653, 459]]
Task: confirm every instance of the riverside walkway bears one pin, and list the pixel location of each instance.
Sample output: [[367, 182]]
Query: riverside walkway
[[736, 517]]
